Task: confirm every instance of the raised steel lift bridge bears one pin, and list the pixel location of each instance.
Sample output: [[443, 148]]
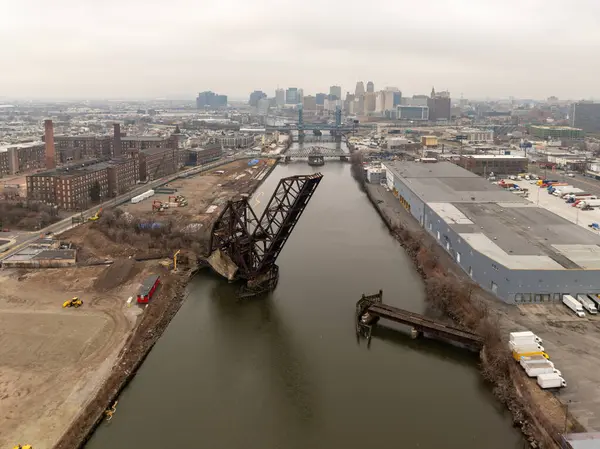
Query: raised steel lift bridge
[[245, 247]]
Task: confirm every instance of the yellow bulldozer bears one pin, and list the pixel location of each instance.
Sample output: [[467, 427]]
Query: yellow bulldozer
[[73, 302]]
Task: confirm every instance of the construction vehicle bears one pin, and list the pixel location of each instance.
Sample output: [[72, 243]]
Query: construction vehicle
[[73, 302], [27, 446], [180, 200], [175, 259], [159, 206], [96, 216]]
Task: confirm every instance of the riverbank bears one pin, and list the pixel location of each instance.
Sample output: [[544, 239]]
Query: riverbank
[[537, 413], [155, 320]]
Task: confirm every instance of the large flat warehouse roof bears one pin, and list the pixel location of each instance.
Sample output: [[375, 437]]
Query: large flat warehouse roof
[[447, 182]]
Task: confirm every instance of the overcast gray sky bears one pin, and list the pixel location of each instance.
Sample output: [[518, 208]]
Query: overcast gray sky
[[175, 48]]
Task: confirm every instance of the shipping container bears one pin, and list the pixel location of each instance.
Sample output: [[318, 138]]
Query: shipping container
[[534, 359]]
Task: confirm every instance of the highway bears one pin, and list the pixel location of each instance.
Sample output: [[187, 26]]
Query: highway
[[24, 239]]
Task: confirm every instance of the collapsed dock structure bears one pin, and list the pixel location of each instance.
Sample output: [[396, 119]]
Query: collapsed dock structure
[[520, 252]]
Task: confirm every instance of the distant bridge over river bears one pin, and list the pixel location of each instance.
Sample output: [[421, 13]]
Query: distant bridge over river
[[316, 155]]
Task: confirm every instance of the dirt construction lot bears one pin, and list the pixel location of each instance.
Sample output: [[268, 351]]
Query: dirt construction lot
[[205, 194], [52, 360]]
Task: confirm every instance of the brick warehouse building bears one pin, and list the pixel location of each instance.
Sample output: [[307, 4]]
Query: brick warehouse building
[[71, 187], [500, 164], [21, 157], [158, 162]]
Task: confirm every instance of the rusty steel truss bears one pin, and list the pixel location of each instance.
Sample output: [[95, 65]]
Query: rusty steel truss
[[253, 244]]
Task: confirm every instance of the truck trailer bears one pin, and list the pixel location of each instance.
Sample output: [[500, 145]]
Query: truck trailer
[[574, 305], [531, 347], [525, 336], [519, 355], [535, 369], [551, 380], [591, 203], [587, 304]]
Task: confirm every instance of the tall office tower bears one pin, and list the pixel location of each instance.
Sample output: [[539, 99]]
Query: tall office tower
[[335, 93], [370, 86], [291, 95], [360, 89], [280, 97]]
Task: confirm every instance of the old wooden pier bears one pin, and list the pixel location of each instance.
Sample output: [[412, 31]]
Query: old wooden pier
[[369, 309]]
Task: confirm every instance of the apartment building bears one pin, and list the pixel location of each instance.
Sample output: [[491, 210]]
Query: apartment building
[[123, 174], [21, 157], [69, 187], [155, 163]]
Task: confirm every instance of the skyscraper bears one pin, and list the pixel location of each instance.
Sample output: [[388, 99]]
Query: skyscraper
[[210, 99], [360, 89], [335, 93], [300, 95], [321, 98], [291, 95], [586, 115], [280, 97], [370, 86], [439, 105], [255, 96]]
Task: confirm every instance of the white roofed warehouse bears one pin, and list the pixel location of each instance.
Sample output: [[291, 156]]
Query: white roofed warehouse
[[508, 245]]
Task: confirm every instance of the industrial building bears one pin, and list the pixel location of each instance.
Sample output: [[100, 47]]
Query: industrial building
[[199, 156], [81, 148], [42, 253], [499, 164], [70, 187], [21, 157], [158, 162], [472, 135], [556, 132], [412, 112], [518, 251]]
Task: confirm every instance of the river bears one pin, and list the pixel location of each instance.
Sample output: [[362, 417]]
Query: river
[[286, 371]]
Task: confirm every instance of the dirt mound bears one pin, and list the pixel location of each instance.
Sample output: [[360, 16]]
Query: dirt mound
[[120, 271]]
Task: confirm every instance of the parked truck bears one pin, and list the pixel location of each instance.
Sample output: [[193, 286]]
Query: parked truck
[[535, 359], [573, 197], [519, 355], [522, 348], [535, 369], [574, 305], [551, 380], [587, 304], [525, 336], [590, 203]]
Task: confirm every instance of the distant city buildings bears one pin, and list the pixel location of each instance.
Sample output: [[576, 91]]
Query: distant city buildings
[[263, 106], [556, 132], [335, 93], [291, 95], [310, 103], [320, 98], [255, 96], [439, 106], [412, 112], [280, 97], [370, 87], [211, 100], [586, 115], [359, 90]]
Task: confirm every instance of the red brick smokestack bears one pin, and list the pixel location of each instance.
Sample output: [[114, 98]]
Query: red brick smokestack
[[117, 150], [49, 139]]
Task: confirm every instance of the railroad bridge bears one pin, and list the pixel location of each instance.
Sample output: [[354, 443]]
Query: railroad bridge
[[316, 155], [369, 309]]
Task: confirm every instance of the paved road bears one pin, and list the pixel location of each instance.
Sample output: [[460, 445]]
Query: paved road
[[23, 239]]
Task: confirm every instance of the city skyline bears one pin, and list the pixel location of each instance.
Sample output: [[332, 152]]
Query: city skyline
[[147, 49]]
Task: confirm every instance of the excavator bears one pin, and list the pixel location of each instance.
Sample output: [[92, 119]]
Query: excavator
[[73, 302], [96, 216]]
